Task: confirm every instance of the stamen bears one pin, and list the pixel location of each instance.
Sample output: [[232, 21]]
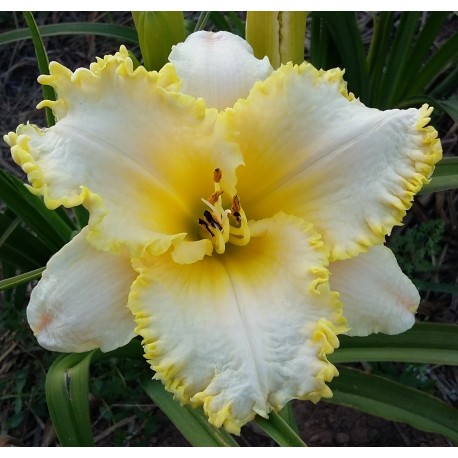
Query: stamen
[[217, 175], [205, 225], [212, 220], [216, 222]]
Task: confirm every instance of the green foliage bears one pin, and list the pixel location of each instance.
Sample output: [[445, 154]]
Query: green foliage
[[402, 66], [415, 248], [393, 401]]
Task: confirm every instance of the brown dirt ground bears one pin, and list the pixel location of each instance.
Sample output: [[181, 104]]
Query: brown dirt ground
[[323, 424]]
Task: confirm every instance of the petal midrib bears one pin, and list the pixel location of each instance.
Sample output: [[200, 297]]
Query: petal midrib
[[250, 344], [136, 166], [311, 161]]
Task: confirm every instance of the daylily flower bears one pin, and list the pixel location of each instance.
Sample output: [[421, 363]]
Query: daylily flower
[[221, 194]]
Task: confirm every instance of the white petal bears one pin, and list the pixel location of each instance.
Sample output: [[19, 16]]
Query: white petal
[[312, 150], [139, 157], [246, 331], [219, 67], [376, 295], [81, 301]]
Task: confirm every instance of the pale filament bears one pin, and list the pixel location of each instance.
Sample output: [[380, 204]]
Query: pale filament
[[216, 222]]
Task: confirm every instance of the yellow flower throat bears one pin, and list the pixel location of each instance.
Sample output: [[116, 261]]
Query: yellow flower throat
[[216, 222]]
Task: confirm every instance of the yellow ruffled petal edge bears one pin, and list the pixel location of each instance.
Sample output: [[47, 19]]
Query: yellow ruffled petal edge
[[175, 351], [425, 152], [423, 160], [62, 76], [72, 182]]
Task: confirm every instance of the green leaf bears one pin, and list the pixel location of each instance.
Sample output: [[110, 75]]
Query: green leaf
[[192, 423], [279, 430], [20, 279], [377, 55], [48, 225], [399, 61], [451, 107], [19, 247], [67, 397], [422, 45], [323, 53], [43, 63], [393, 401], [344, 30], [446, 57], [287, 414], [438, 287], [119, 32], [202, 21], [425, 343], [445, 176]]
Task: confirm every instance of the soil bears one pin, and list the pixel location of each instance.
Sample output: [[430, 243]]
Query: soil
[[323, 424]]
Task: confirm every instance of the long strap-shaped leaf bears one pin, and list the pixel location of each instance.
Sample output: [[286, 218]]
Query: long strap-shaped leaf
[[424, 343], [13, 282], [190, 422], [347, 38], [43, 63], [391, 400], [445, 176], [67, 397], [122, 33], [52, 227], [282, 433]]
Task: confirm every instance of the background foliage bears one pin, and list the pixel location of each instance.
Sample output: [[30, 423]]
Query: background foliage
[[391, 60]]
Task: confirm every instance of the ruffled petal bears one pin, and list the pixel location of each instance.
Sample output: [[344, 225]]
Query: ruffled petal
[[244, 332], [138, 156], [220, 67], [312, 150], [81, 301], [376, 295]]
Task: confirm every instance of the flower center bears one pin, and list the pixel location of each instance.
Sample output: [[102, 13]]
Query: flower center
[[222, 226]]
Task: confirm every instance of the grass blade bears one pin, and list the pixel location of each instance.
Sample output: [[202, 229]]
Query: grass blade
[[43, 63], [119, 32], [192, 423], [344, 30], [383, 26], [399, 59], [393, 401], [445, 176], [425, 343], [67, 389], [20, 279], [202, 21], [50, 228], [444, 58], [423, 44], [279, 430]]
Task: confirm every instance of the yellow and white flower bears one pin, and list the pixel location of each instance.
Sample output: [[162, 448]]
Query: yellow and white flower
[[222, 194]]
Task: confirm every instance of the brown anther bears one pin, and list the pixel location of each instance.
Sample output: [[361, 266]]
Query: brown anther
[[206, 226], [212, 220], [236, 204], [214, 197], [217, 175], [237, 216]]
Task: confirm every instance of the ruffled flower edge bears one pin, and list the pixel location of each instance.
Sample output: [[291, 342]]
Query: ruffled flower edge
[[424, 152], [323, 339], [166, 79]]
